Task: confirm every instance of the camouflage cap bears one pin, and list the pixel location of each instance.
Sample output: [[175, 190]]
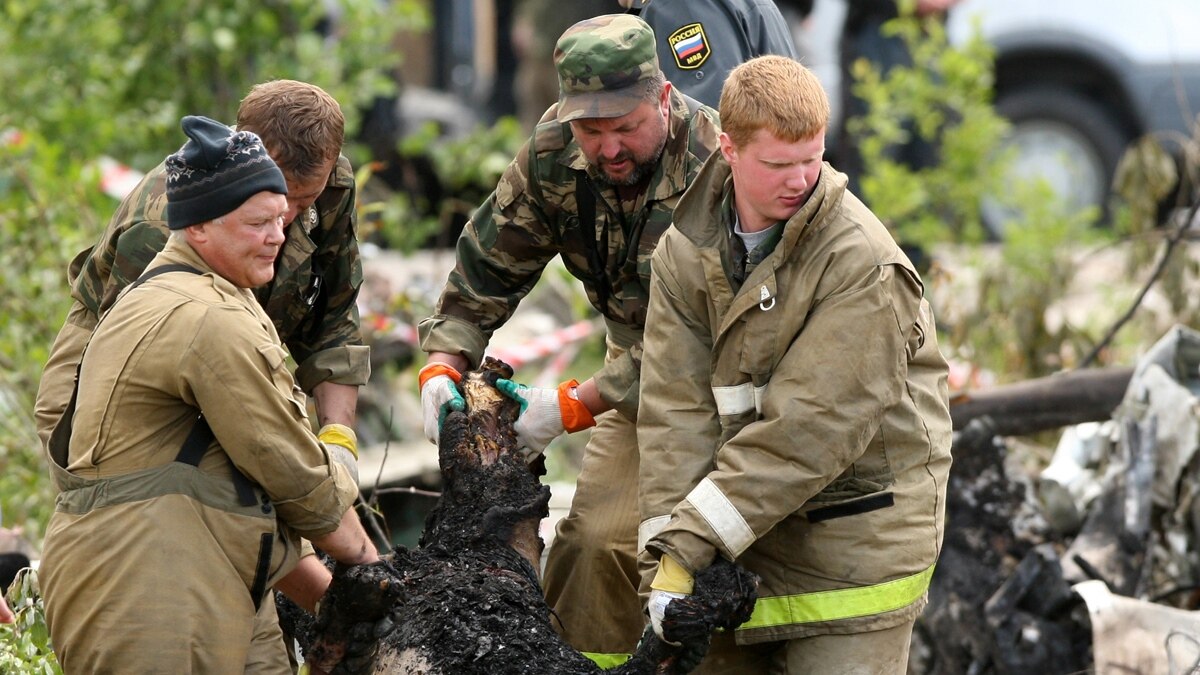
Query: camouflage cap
[[603, 64]]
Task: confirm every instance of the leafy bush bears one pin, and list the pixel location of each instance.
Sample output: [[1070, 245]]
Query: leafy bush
[[466, 171], [25, 644], [116, 77], [49, 208], [945, 98]]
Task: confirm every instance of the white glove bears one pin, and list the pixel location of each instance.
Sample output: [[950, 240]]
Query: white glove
[[671, 582], [540, 420], [439, 395], [657, 607]]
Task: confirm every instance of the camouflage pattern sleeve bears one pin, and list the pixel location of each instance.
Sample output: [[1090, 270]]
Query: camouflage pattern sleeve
[[322, 330], [312, 300], [500, 256], [135, 234]]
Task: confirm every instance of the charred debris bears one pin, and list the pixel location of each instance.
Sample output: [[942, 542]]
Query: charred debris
[[467, 599], [1091, 565]]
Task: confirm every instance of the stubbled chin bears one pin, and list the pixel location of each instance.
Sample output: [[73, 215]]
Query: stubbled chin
[[617, 176]]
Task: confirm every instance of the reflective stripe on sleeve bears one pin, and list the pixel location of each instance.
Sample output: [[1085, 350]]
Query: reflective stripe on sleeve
[[650, 529], [738, 398], [607, 661], [722, 516], [843, 603]]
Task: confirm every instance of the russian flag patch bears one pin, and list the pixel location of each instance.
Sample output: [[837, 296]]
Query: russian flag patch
[[690, 46]]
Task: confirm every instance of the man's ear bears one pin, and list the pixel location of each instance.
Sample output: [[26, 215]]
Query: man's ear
[[197, 234], [728, 150]]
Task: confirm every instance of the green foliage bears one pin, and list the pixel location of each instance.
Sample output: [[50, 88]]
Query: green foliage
[[1146, 175], [114, 77], [25, 644], [944, 97], [467, 169], [1011, 326], [49, 209]]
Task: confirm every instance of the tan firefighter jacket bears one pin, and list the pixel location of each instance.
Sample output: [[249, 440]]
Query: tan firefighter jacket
[[144, 546], [798, 424]]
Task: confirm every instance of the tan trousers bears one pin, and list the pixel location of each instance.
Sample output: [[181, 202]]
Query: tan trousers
[[591, 578], [881, 652]]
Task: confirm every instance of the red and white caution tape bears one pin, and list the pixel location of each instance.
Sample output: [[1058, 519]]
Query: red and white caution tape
[[116, 179], [543, 345]]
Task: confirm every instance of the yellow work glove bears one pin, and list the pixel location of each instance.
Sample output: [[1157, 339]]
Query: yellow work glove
[[339, 434], [671, 582], [342, 445]]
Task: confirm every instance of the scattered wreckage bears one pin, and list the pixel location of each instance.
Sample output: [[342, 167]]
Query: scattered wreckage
[[1092, 565], [468, 599]]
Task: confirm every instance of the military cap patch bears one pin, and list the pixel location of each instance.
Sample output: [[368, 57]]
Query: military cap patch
[[690, 46]]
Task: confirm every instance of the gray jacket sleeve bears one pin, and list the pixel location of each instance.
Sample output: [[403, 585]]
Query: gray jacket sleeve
[[700, 41]]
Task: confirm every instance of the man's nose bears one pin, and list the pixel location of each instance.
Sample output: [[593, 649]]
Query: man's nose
[[278, 229], [798, 180], [610, 147]]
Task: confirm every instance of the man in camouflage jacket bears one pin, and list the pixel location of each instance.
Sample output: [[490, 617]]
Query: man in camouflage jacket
[[596, 183], [311, 299]]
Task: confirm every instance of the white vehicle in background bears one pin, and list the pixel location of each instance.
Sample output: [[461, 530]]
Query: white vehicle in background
[[1078, 79]]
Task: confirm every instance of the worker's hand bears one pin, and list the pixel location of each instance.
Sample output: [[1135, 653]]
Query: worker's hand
[[340, 435], [671, 582], [545, 413], [351, 623], [6, 614], [342, 444], [439, 395]]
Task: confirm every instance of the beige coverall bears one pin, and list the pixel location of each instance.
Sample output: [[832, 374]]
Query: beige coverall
[[155, 565]]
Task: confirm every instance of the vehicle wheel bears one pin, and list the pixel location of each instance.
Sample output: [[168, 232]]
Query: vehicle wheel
[[1071, 141]]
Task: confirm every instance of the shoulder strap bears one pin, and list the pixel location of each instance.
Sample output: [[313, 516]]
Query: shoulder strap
[[60, 438], [196, 445], [585, 202]]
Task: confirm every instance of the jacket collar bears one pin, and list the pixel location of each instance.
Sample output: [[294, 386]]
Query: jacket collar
[[714, 185], [179, 252]]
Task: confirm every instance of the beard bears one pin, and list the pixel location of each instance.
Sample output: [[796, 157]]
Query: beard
[[643, 166]]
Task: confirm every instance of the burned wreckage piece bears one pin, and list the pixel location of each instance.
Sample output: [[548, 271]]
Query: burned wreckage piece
[[1089, 565], [468, 599]]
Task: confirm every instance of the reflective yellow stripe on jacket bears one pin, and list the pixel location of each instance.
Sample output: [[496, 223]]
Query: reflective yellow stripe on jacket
[[843, 603], [607, 661]]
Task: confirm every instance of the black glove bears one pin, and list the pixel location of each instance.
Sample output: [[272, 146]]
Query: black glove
[[354, 614]]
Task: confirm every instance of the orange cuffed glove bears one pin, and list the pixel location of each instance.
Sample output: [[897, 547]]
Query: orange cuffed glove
[[546, 413], [439, 395]]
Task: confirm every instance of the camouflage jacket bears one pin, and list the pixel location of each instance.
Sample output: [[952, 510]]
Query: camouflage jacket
[[311, 300], [534, 214]]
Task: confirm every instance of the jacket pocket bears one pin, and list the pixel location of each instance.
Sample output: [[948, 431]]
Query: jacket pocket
[[276, 360], [853, 507]]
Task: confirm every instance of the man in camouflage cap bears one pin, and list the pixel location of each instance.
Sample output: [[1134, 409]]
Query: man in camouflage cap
[[596, 183], [312, 297]]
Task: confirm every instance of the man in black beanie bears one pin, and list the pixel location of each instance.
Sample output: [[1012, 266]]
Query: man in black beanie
[[187, 464], [312, 300]]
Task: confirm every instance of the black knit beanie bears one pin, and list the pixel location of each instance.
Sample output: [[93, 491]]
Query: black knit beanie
[[215, 172]]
